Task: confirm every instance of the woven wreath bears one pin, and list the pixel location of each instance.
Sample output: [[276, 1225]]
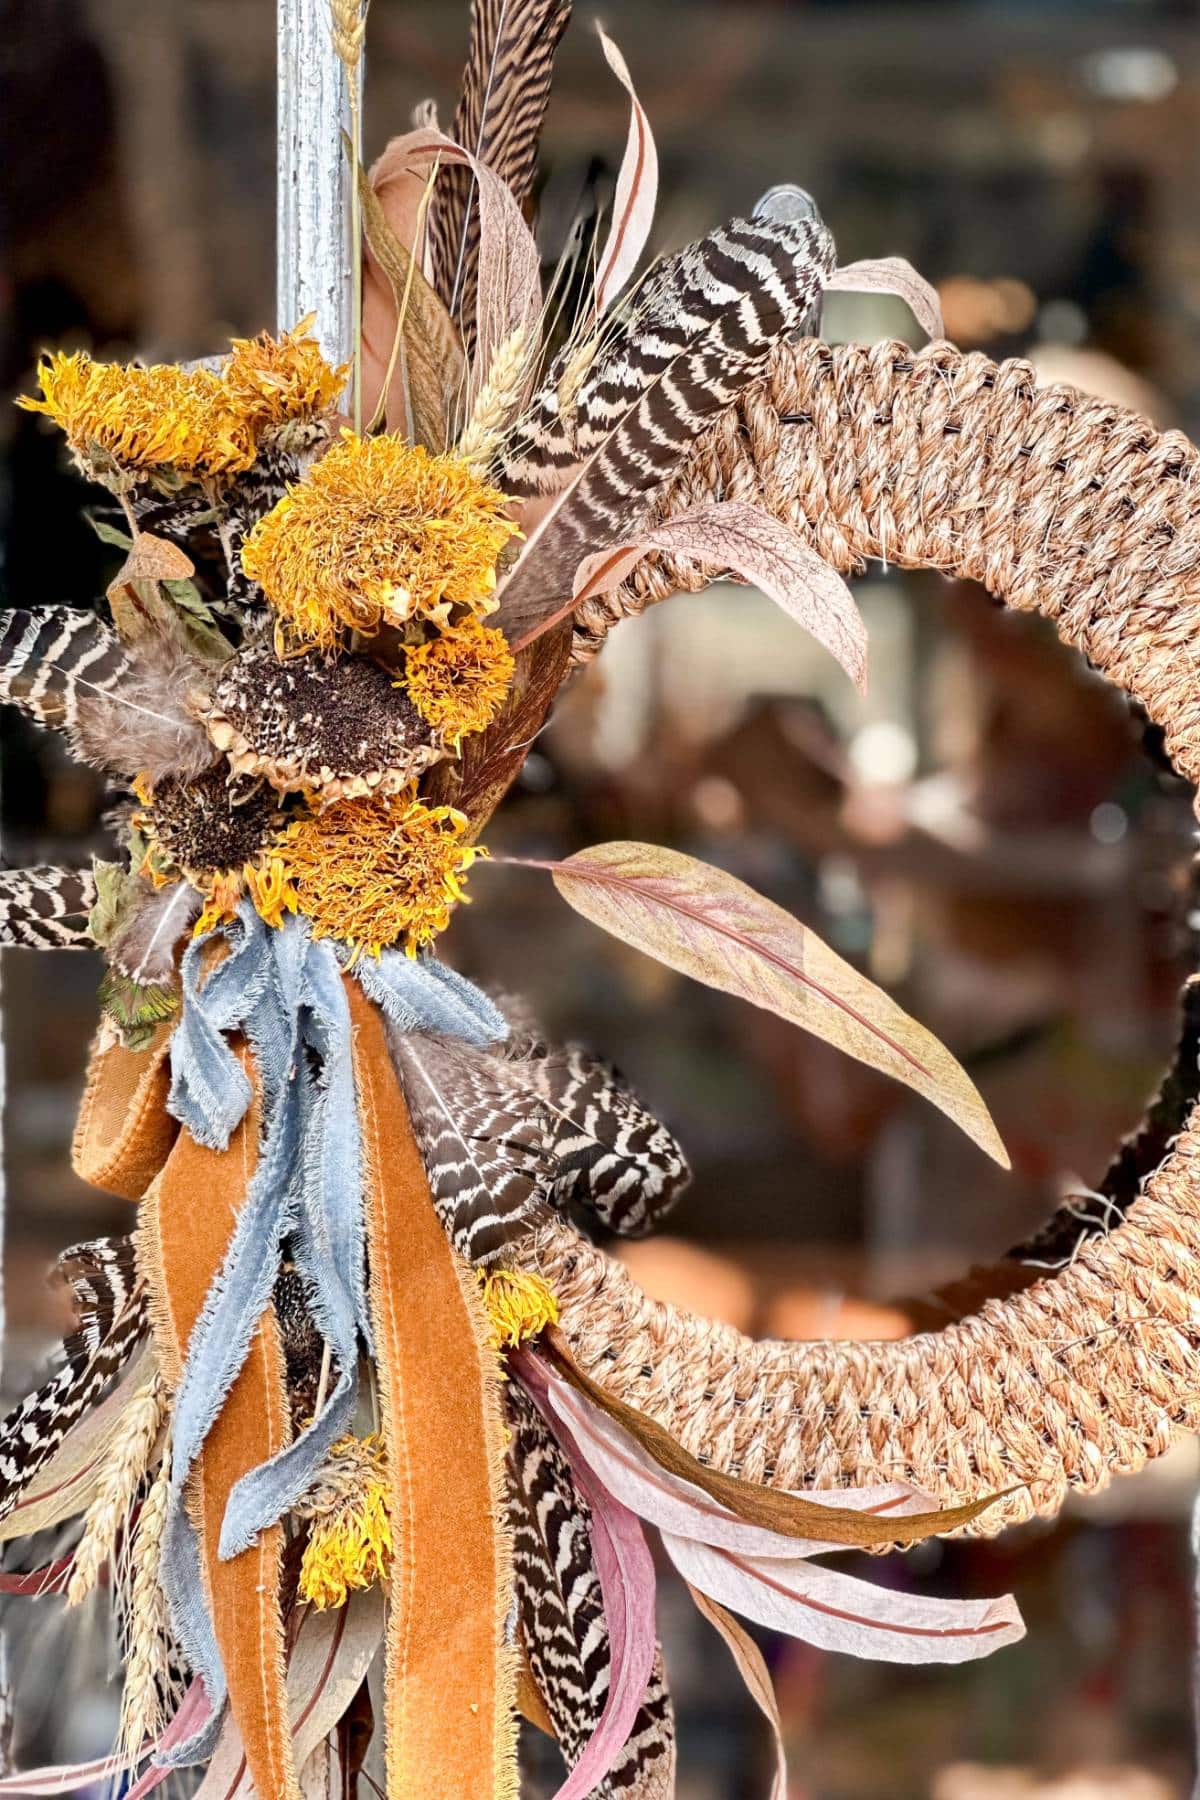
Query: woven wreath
[[359, 1426]]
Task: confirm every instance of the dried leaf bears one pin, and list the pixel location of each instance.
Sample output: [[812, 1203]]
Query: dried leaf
[[509, 294], [138, 609], [834, 1611], [636, 192], [711, 926], [754, 1672], [892, 275], [751, 543], [833, 1520], [433, 357]]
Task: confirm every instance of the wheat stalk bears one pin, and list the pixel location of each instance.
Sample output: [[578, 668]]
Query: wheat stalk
[[349, 23], [571, 380], [495, 400], [146, 1672], [124, 1467]]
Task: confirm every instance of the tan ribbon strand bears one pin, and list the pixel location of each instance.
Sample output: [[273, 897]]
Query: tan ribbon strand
[[124, 1132], [451, 1681], [188, 1220]]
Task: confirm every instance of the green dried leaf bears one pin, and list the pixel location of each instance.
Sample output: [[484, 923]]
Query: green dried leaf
[[117, 894]]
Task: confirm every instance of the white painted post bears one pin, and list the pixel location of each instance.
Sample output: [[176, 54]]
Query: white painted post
[[312, 245]]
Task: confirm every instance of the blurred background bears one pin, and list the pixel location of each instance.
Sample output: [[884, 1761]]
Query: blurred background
[[988, 833]]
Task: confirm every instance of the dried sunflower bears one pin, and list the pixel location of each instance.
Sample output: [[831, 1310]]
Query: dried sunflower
[[373, 873], [334, 730], [378, 532], [458, 680]]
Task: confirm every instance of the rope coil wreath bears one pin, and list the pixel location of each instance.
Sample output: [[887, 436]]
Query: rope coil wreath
[[1057, 504]]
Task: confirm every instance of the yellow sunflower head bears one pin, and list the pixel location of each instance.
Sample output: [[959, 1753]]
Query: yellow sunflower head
[[350, 1534], [378, 532], [144, 418], [458, 680], [196, 421], [271, 381], [374, 873]]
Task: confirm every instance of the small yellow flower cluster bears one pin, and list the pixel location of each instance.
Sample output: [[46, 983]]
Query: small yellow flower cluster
[[518, 1305], [380, 532], [350, 1541], [457, 681], [197, 421], [374, 873]]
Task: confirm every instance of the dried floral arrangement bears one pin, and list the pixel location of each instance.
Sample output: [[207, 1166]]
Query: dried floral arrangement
[[359, 1433]]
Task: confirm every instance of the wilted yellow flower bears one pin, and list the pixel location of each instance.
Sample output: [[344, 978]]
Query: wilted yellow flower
[[271, 380], [378, 532], [458, 680], [518, 1305], [378, 872], [350, 1534], [199, 421], [143, 418]]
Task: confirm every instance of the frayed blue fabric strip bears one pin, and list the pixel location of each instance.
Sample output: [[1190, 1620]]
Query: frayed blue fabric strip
[[283, 993], [419, 994]]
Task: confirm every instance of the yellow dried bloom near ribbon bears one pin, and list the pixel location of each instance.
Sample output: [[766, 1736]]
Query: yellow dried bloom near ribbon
[[200, 421], [518, 1305], [458, 680], [378, 532], [144, 418], [272, 380], [350, 1536], [373, 873]]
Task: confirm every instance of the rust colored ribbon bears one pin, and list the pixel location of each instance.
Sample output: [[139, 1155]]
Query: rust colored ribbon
[[187, 1223], [451, 1679], [124, 1133]]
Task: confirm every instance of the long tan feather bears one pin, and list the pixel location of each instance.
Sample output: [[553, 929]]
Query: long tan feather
[[506, 84]]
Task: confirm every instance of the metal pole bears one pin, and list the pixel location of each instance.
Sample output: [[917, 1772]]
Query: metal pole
[[312, 254]]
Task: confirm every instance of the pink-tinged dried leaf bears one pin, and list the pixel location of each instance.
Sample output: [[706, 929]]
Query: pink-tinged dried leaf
[[711, 926], [734, 535], [822, 1606], [627, 1587], [636, 191], [68, 1778], [509, 293], [892, 275], [754, 1673], [329, 1661], [673, 1504]]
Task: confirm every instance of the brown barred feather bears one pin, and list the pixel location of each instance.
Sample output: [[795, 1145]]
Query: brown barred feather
[[506, 84], [51, 657], [483, 1139], [703, 326], [113, 1318], [46, 908], [612, 1154], [560, 1613]]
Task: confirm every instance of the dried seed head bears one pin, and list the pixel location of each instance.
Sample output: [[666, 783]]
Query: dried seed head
[[212, 823], [336, 730]]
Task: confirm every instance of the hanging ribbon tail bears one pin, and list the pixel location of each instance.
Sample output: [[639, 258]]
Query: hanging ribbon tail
[[451, 1677], [226, 1613], [124, 1132]]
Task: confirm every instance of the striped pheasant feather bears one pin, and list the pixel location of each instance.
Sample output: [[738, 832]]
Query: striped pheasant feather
[[561, 1615], [702, 329], [46, 908], [612, 1154], [506, 84], [52, 657], [482, 1137], [112, 1318]]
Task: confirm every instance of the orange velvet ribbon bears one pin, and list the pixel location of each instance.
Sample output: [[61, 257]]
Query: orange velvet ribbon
[[187, 1222], [451, 1681]]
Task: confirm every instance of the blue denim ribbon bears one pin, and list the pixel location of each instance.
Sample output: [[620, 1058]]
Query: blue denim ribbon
[[282, 991]]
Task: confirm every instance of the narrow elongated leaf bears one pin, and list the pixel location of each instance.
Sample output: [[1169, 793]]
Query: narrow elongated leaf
[[892, 275], [711, 926], [636, 192], [750, 542], [838, 1612], [754, 1672]]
